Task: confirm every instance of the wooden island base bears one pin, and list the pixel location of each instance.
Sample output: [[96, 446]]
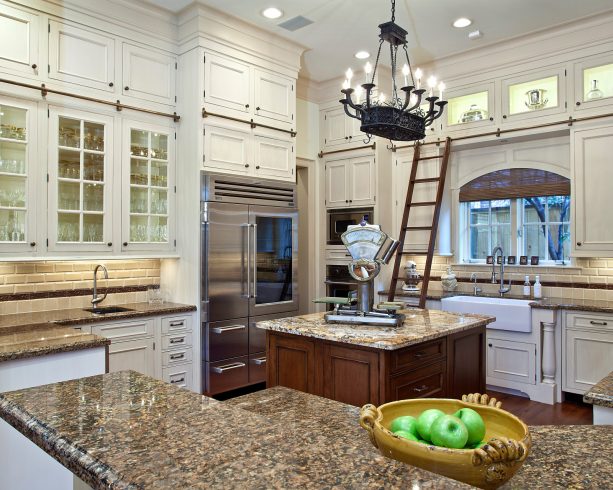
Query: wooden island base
[[446, 367]]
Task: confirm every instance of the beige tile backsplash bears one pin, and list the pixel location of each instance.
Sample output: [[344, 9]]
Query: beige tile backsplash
[[37, 277], [583, 273]]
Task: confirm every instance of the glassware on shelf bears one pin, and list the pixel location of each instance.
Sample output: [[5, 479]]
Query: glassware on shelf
[[536, 99], [595, 92], [474, 113]]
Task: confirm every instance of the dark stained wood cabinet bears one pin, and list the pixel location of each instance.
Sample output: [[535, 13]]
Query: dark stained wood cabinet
[[445, 367]]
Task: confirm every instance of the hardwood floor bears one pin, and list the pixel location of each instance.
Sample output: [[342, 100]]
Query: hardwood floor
[[570, 412]]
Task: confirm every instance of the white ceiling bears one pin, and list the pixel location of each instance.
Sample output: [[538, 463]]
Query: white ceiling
[[342, 27]]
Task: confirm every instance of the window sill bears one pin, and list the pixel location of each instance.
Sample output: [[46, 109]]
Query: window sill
[[517, 267]]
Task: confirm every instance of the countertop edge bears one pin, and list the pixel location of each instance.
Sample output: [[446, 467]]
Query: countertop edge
[[124, 315], [601, 394], [57, 349]]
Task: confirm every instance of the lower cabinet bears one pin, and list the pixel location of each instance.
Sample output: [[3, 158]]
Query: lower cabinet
[[137, 355], [511, 361]]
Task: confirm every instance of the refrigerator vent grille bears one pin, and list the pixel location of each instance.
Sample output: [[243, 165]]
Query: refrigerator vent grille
[[252, 192]]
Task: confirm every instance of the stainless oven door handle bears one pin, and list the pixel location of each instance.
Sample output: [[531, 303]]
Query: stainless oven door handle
[[228, 328], [255, 262], [227, 367]]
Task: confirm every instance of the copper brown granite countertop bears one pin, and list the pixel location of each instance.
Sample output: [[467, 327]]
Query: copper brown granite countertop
[[77, 316], [601, 393], [593, 305], [127, 430], [46, 340], [419, 326]]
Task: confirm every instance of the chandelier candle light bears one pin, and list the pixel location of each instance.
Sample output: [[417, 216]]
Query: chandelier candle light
[[401, 118]]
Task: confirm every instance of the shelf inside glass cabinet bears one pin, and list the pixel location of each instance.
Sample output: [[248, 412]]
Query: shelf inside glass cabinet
[[534, 95], [598, 82], [468, 108], [13, 123]]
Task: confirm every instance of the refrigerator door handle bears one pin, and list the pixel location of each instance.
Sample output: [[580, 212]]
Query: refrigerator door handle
[[247, 226], [254, 258]]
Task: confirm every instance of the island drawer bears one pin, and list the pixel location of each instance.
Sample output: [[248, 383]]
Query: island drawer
[[427, 382], [226, 375], [225, 339], [419, 355]]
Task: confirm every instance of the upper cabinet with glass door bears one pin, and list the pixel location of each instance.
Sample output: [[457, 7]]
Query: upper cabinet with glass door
[[535, 94], [148, 177], [17, 176], [594, 82], [80, 163], [469, 107]]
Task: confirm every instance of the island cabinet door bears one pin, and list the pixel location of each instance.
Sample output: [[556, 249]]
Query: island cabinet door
[[466, 363], [291, 363], [351, 375]]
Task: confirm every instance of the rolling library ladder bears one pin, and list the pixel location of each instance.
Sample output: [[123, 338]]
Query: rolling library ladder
[[404, 228]]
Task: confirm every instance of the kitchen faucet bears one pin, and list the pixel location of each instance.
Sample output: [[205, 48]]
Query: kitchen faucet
[[502, 289], [99, 299], [476, 289]]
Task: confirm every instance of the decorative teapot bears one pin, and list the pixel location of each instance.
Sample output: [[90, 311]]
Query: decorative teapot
[[474, 113], [448, 280], [411, 276]]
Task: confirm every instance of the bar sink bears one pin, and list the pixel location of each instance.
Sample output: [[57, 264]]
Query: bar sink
[[105, 310], [513, 315]]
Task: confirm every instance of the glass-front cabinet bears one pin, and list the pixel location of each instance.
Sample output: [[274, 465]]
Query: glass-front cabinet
[[534, 94], [80, 181], [17, 176], [594, 82], [469, 107], [148, 179]]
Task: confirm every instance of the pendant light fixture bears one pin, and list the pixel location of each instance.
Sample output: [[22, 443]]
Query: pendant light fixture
[[399, 118]]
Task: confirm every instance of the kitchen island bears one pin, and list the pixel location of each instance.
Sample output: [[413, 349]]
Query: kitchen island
[[601, 397], [126, 430], [432, 354]]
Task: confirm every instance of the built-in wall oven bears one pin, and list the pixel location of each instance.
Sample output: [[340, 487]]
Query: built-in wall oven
[[339, 283], [340, 219]]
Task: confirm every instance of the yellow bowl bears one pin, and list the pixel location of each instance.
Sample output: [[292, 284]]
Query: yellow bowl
[[508, 440]]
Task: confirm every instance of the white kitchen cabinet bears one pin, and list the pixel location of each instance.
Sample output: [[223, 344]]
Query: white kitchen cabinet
[[351, 182], [511, 361], [592, 69], [274, 96], [148, 176], [227, 84], [148, 74], [136, 355], [228, 149], [588, 350], [591, 175], [470, 107], [81, 56], [18, 176], [339, 129], [175, 364], [19, 40], [80, 181], [274, 157]]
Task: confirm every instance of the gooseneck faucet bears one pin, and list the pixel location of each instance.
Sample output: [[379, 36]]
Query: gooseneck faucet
[[99, 299], [502, 289]]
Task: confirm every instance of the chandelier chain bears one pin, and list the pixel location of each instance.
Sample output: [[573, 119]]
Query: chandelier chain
[[393, 10], [409, 64], [374, 72]]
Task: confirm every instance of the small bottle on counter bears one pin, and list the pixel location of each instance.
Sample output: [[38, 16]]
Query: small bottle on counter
[[527, 287], [538, 290]]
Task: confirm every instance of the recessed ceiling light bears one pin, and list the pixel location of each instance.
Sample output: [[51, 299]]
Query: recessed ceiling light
[[272, 13], [462, 22], [362, 55]]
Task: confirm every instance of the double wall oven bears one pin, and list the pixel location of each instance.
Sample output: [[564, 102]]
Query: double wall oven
[[249, 263]]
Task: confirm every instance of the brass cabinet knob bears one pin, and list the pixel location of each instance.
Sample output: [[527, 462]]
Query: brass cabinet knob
[[34, 66], [126, 88], [577, 103], [257, 108], [125, 244], [109, 244], [504, 116], [246, 165], [491, 118], [578, 244], [246, 106], [257, 167], [111, 84], [32, 244]]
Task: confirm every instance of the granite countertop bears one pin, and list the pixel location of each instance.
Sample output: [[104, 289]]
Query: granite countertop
[[601, 393], [596, 306], [419, 326], [78, 316], [42, 341], [126, 430]]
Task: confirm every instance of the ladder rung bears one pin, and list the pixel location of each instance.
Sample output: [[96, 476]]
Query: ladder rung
[[429, 179], [413, 253], [430, 158], [417, 227], [425, 203]]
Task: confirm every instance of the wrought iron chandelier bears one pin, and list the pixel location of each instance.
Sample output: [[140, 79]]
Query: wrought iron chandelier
[[401, 118]]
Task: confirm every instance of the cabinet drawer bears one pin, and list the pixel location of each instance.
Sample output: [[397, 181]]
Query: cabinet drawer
[[226, 375], [419, 355], [124, 330], [226, 339], [588, 321], [257, 368], [181, 375], [83, 328], [427, 382], [174, 324], [177, 340], [177, 356]]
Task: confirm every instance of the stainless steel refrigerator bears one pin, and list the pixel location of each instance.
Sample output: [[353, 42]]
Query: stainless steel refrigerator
[[249, 248]]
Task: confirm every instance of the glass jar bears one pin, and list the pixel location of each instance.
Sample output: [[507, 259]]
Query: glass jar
[[595, 93]]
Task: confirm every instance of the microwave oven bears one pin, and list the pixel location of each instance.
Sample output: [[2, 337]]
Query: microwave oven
[[340, 219]]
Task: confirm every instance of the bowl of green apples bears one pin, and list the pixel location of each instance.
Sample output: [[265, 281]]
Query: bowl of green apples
[[471, 440]]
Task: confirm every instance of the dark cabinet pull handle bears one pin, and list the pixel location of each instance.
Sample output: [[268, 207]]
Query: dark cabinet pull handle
[[257, 167], [34, 66], [178, 340], [419, 355], [578, 244], [111, 84], [177, 356], [109, 244], [421, 388], [577, 103], [179, 323], [175, 381], [126, 88], [125, 244], [32, 244], [593, 322], [489, 345]]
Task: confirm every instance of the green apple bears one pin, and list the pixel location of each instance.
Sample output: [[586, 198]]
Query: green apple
[[406, 434], [449, 431], [406, 423], [425, 421], [473, 422]]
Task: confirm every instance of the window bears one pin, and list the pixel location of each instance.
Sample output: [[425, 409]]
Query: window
[[490, 226], [546, 225]]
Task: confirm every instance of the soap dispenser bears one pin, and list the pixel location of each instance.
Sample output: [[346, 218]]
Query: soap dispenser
[[538, 290], [527, 287]]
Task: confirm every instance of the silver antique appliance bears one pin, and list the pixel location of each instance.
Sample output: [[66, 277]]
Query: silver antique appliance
[[536, 98], [369, 248], [249, 246], [474, 113]]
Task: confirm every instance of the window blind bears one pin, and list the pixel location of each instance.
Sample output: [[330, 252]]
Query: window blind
[[514, 183]]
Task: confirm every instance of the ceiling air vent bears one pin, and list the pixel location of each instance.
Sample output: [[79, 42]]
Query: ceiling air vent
[[296, 23]]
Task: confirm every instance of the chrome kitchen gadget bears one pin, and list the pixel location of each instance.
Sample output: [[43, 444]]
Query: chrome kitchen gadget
[[369, 248]]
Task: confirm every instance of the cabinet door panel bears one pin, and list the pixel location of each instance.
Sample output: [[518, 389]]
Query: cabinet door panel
[[148, 74], [362, 181], [18, 40], [292, 363], [137, 355], [336, 184], [512, 361], [81, 56], [274, 157], [588, 358], [274, 96], [334, 125], [227, 150], [227, 83]]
